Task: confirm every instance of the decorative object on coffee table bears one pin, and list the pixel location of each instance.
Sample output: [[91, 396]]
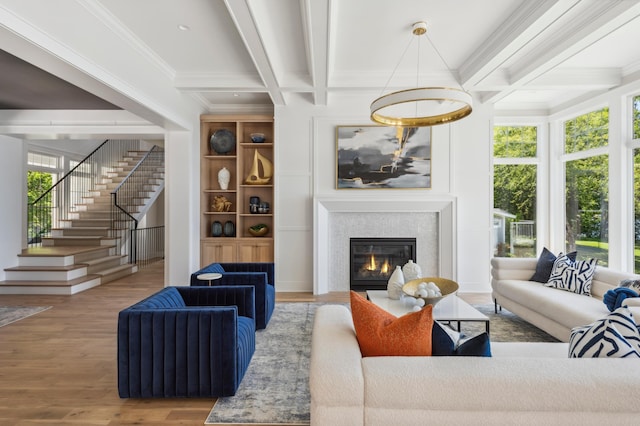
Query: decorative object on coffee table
[[224, 176], [395, 283], [446, 286], [411, 271], [222, 141]]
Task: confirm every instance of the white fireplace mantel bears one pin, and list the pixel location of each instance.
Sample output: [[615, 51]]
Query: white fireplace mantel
[[325, 209]]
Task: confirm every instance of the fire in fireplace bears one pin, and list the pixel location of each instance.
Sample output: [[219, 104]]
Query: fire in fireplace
[[373, 260]]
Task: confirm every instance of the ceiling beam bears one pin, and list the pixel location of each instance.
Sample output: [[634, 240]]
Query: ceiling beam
[[589, 24], [242, 18], [519, 29], [317, 24]]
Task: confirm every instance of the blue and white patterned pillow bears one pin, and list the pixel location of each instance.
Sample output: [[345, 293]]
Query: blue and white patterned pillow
[[615, 336], [574, 276]]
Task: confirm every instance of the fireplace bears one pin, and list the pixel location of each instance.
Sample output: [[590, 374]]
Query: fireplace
[[373, 260]]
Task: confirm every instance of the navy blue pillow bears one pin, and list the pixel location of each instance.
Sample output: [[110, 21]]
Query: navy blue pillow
[[441, 342], [479, 345], [545, 265], [443, 345]]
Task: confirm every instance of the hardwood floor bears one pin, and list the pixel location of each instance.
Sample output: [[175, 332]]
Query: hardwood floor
[[59, 367]]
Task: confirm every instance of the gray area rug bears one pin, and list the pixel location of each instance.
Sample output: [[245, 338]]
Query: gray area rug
[[506, 327], [9, 314], [275, 388]]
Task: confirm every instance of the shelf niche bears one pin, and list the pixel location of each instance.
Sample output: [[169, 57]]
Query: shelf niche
[[243, 247]]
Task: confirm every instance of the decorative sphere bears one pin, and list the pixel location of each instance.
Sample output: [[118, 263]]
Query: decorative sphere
[[408, 300], [420, 302], [416, 308], [442, 287]]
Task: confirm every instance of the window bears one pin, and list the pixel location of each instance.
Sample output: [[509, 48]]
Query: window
[[38, 160], [587, 131], [41, 175], [587, 185], [514, 190], [636, 117], [636, 210], [636, 185]]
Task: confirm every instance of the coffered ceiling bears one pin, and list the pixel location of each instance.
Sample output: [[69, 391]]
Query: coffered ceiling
[[226, 55]]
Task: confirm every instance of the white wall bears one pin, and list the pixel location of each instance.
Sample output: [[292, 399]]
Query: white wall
[[181, 194], [471, 173], [12, 193], [305, 167]]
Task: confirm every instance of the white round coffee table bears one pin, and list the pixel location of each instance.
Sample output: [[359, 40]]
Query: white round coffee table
[[210, 276]]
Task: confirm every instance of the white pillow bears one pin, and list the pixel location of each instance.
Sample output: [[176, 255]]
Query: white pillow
[[615, 336], [574, 276]]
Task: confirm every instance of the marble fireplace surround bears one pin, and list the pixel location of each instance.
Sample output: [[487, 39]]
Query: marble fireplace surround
[[430, 221]]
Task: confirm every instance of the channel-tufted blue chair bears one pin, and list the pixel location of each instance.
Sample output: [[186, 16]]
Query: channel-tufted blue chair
[[261, 275], [186, 342]]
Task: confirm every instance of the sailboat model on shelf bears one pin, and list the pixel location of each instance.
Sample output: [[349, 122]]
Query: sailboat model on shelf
[[255, 178]]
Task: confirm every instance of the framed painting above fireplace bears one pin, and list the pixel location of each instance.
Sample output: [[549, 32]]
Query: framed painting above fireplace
[[369, 157]]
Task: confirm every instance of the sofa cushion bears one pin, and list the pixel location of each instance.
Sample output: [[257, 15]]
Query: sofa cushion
[[214, 267], [545, 265], [380, 333], [572, 276], [564, 307], [168, 297], [614, 336]]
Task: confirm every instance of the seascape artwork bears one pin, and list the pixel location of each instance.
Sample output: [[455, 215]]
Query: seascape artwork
[[383, 157]]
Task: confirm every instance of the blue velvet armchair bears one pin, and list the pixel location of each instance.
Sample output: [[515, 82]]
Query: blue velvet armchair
[[261, 275], [186, 342]]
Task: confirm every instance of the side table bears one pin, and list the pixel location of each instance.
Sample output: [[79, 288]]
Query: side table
[[210, 277]]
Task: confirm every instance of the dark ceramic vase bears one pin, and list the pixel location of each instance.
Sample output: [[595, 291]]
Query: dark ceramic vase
[[229, 229], [254, 202], [216, 229]]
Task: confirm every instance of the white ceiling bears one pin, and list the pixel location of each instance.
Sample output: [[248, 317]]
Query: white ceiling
[[537, 56]]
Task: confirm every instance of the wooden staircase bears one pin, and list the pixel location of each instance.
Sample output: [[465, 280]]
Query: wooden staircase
[[80, 254]]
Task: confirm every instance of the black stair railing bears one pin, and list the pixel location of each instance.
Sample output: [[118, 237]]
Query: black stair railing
[[128, 202], [61, 201]]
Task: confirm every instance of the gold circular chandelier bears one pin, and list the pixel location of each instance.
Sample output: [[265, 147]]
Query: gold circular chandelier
[[422, 106]]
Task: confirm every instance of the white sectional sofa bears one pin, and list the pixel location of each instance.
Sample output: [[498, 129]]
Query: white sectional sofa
[[523, 383], [552, 310]]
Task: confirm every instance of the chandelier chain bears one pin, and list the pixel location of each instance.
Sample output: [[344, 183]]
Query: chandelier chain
[[455, 77], [397, 65]]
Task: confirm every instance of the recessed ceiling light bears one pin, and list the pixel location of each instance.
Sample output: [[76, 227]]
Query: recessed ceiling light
[[183, 27], [236, 94]]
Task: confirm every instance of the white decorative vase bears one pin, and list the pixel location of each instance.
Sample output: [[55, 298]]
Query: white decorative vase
[[224, 176], [395, 283], [411, 271]]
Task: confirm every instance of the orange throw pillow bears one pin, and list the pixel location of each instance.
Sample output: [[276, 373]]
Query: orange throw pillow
[[380, 333]]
